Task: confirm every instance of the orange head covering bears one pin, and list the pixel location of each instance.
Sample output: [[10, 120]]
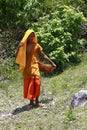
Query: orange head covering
[[21, 56]]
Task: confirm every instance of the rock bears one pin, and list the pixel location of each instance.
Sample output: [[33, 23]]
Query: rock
[[79, 99]]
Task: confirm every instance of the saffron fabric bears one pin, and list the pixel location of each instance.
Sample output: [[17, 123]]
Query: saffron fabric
[[32, 69], [32, 88], [27, 58], [28, 64], [21, 56], [44, 67]]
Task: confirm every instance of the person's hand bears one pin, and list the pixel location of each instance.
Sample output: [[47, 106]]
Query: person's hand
[[54, 66], [20, 44]]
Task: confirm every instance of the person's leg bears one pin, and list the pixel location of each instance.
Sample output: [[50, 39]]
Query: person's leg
[[30, 106], [37, 92], [39, 103], [37, 100]]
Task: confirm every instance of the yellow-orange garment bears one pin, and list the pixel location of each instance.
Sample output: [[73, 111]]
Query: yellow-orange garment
[[32, 88], [32, 69], [32, 74], [21, 56], [28, 63]]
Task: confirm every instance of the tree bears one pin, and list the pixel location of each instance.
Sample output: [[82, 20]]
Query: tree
[[9, 12]]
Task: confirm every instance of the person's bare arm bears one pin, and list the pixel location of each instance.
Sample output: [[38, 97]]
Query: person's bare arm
[[47, 59]]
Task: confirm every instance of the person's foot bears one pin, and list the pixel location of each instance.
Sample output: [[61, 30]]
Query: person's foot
[[40, 104], [30, 106]]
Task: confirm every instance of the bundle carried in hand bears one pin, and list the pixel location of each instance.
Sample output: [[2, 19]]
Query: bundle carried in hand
[[44, 67]]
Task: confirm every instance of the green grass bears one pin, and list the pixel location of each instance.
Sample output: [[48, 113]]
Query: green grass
[[56, 92]]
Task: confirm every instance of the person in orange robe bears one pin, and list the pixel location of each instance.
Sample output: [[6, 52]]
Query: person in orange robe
[[27, 56]]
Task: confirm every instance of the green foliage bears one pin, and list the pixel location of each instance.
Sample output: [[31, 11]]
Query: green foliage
[[7, 69], [9, 40], [23, 12], [70, 115], [60, 35], [32, 11], [9, 12], [57, 27], [78, 4]]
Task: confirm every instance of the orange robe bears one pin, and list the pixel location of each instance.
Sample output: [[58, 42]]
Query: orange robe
[[32, 74], [28, 65]]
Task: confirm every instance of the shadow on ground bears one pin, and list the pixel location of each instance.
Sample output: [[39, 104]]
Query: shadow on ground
[[24, 108], [20, 109]]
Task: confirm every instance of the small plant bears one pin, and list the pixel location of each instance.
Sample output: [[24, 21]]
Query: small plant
[[4, 86], [70, 115]]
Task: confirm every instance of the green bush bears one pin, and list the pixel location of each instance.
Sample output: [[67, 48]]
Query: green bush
[[59, 35], [57, 28], [7, 69]]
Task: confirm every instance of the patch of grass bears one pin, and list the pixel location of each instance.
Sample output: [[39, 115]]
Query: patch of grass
[[4, 86], [56, 92], [70, 116]]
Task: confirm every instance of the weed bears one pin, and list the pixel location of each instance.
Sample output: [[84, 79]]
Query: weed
[[70, 115]]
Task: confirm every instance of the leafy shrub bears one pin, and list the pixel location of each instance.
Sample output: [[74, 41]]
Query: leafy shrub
[[10, 13], [59, 35], [58, 30], [7, 69]]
